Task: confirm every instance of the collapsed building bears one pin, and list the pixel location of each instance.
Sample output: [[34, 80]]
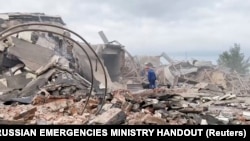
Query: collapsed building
[[47, 77], [36, 49]]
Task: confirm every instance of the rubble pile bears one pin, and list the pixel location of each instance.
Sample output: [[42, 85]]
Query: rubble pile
[[150, 107], [37, 68], [46, 79], [32, 73]]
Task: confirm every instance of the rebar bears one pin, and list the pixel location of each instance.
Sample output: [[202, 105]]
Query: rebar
[[72, 32]]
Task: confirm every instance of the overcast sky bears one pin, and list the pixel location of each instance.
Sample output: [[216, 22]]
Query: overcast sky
[[199, 29]]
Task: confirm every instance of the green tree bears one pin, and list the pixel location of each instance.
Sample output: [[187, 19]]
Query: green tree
[[234, 60]]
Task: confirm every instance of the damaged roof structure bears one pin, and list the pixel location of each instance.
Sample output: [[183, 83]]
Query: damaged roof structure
[[47, 77]]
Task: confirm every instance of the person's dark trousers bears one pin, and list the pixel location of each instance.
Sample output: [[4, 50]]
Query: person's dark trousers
[[152, 84]]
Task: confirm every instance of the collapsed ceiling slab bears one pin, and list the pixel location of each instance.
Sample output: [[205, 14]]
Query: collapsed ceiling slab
[[17, 50], [33, 56]]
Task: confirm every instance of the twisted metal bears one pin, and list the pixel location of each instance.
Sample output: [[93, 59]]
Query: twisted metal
[[72, 32]]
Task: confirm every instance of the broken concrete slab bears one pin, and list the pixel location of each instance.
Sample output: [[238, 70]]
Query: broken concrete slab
[[113, 116], [226, 102], [169, 75], [21, 100], [17, 81], [219, 78], [50, 64], [29, 53], [211, 120], [3, 83], [107, 106], [134, 87], [210, 87], [201, 85], [191, 110], [198, 63], [246, 115], [84, 67], [223, 119], [30, 75], [33, 87], [1, 116], [227, 96], [14, 69], [204, 122], [207, 104], [159, 106], [8, 94], [151, 120]]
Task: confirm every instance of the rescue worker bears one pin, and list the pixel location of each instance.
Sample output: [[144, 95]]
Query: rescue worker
[[151, 77]]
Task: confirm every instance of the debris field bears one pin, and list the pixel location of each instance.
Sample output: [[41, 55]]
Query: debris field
[[49, 78]]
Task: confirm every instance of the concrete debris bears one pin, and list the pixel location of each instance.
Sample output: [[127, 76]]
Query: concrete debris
[[113, 116], [28, 54], [29, 114], [45, 79], [1, 116], [151, 109], [204, 122], [149, 119]]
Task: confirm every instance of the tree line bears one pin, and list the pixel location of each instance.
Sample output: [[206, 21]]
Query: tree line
[[235, 60]]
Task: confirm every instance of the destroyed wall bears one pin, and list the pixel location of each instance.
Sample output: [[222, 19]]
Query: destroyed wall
[[46, 40], [112, 57], [130, 70], [42, 40], [10, 19], [40, 86], [85, 70], [34, 63], [66, 48]]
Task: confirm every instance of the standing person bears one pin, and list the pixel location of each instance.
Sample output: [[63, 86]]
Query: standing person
[[151, 77]]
